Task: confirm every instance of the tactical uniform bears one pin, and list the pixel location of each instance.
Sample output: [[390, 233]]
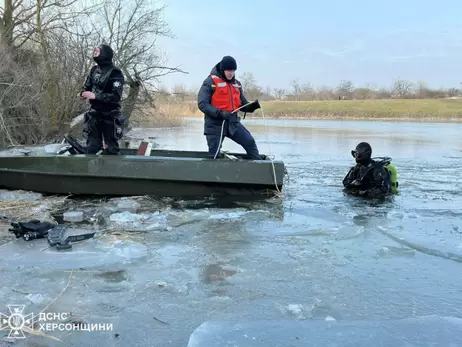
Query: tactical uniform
[[368, 177], [218, 97], [104, 119]]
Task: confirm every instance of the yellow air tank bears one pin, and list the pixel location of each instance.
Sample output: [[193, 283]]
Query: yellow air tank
[[394, 176]]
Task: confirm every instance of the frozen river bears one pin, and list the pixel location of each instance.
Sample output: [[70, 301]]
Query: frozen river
[[312, 253]]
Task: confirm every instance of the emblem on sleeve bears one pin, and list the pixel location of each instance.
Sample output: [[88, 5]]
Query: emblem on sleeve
[[116, 84]]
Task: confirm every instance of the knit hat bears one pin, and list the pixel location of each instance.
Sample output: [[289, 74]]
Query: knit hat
[[228, 63]]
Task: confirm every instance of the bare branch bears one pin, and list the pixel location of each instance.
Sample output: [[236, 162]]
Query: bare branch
[[65, 33]]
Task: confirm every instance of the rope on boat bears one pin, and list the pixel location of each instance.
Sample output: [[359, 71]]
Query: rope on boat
[[269, 149], [267, 140], [221, 140]]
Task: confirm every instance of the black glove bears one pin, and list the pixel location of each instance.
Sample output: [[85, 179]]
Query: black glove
[[253, 106]]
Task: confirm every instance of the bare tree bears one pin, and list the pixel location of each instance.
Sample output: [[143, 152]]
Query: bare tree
[[180, 92], [302, 91], [325, 93], [279, 93], [28, 21], [20, 100], [267, 94], [193, 91], [345, 89], [247, 80], [250, 86], [53, 45], [29, 25], [68, 57], [132, 29], [402, 88]]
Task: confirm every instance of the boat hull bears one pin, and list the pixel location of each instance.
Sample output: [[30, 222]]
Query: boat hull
[[125, 175], [73, 185]]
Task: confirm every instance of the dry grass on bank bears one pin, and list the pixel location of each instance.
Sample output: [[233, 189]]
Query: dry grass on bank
[[387, 109], [164, 116], [412, 109]]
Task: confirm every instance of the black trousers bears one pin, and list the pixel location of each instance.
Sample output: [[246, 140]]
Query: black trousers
[[241, 136], [101, 127]]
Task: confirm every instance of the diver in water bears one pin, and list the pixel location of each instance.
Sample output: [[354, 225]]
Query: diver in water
[[369, 177]]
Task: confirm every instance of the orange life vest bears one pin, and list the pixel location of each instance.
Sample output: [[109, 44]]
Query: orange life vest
[[227, 96]]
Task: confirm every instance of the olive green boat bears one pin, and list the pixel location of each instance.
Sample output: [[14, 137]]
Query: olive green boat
[[161, 173]]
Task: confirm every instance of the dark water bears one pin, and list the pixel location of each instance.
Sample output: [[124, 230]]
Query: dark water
[[310, 254]]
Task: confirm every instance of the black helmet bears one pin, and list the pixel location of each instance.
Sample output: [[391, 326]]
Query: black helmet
[[362, 153]]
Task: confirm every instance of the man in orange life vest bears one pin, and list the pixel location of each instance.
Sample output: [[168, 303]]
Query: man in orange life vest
[[220, 94]]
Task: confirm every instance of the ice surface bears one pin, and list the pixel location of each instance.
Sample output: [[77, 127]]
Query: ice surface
[[444, 248], [128, 205], [139, 222], [36, 298], [313, 254], [19, 195], [54, 148], [73, 216], [86, 254], [411, 332]]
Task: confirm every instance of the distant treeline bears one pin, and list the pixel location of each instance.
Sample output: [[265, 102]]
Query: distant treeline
[[346, 90]]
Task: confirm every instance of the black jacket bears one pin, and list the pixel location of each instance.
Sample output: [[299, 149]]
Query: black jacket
[[107, 82], [213, 119], [373, 180]]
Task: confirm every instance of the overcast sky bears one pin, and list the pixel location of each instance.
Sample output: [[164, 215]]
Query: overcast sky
[[318, 42]]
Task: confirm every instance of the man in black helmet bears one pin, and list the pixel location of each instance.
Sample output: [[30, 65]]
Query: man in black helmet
[[103, 88], [368, 177], [219, 96]]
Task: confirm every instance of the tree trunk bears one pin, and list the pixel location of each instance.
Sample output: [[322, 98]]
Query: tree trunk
[[52, 85], [131, 99], [6, 25]]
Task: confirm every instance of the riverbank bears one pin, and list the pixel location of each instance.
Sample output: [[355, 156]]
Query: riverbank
[[444, 110]]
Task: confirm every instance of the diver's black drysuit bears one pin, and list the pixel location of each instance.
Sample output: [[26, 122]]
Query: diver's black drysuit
[[104, 119], [368, 177]]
